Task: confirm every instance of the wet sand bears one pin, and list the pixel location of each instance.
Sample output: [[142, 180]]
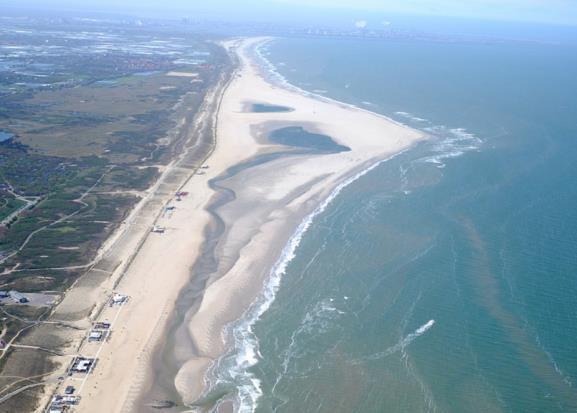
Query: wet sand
[[258, 204], [188, 284]]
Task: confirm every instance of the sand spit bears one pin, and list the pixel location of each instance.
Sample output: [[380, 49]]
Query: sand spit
[[205, 270], [259, 205]]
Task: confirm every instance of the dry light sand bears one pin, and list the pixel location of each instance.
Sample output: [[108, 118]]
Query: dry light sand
[[271, 199]]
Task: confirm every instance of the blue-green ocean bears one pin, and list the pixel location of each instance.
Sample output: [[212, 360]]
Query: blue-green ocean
[[444, 279]]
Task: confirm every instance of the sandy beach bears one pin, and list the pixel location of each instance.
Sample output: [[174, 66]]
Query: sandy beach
[[270, 200], [210, 264]]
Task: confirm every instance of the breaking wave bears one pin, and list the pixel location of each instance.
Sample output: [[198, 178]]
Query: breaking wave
[[234, 367], [401, 345], [447, 142]]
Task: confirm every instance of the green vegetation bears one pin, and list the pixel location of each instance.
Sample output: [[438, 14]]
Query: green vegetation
[[121, 122], [84, 149], [89, 115], [8, 205]]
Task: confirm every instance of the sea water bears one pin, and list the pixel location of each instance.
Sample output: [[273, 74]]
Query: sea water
[[445, 278], [4, 136]]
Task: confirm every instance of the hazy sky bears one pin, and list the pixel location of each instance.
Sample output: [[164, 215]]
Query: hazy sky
[[553, 11], [561, 11]]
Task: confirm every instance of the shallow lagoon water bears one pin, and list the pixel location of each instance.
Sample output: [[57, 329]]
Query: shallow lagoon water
[[264, 108], [299, 137]]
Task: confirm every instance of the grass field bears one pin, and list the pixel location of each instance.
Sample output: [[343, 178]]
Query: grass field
[[9, 204], [86, 145], [106, 137], [119, 121]]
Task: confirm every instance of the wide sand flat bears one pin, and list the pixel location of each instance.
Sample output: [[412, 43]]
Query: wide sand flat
[[270, 200], [273, 197]]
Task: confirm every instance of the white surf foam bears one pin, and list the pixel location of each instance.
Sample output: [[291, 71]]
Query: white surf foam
[[401, 345], [450, 143], [271, 70], [321, 319], [411, 117], [561, 373], [235, 365]]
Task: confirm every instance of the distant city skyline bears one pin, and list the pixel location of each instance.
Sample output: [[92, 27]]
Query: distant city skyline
[[543, 11]]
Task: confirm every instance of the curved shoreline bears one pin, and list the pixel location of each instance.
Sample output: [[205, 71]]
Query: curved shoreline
[[241, 330], [282, 82], [208, 325], [174, 308]]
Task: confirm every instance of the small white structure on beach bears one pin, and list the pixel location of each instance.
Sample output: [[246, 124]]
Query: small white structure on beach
[[95, 335], [118, 299], [83, 365]]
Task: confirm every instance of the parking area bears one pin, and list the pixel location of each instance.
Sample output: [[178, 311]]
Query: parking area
[[30, 299], [68, 394]]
